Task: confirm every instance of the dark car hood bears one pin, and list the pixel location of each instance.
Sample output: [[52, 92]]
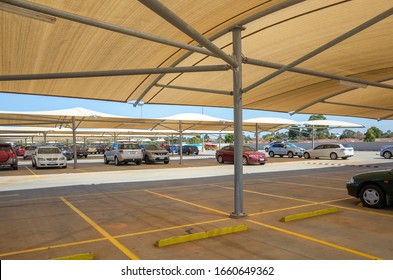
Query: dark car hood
[[382, 174]]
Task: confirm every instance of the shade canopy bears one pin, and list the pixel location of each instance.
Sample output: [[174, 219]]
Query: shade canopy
[[268, 124], [334, 57], [333, 124]]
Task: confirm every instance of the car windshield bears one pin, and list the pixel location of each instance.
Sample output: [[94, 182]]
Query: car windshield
[[49, 150], [129, 146], [151, 147], [247, 149]]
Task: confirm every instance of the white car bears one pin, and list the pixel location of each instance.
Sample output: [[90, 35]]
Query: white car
[[332, 151], [48, 156]]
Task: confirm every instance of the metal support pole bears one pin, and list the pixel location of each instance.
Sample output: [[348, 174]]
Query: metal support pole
[[180, 143], [256, 137], [313, 136], [45, 133], [74, 141], [173, 142], [238, 123]]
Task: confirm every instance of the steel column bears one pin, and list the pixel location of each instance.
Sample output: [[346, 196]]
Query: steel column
[[74, 141], [180, 143], [238, 124], [256, 137]]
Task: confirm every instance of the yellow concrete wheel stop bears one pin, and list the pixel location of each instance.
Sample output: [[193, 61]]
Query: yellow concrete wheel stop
[[86, 256], [308, 214], [199, 235]]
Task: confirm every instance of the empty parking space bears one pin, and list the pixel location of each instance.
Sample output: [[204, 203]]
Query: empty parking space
[[124, 220]]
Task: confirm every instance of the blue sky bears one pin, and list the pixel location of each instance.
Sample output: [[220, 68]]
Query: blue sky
[[21, 102]]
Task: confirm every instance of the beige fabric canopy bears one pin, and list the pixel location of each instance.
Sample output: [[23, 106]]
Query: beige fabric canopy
[[57, 55]]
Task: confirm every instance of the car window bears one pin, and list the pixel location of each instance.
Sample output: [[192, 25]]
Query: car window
[[151, 147], [129, 146], [227, 148], [49, 150], [347, 145], [319, 147], [247, 149], [5, 148]]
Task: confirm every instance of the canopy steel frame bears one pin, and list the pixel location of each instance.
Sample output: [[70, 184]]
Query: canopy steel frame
[[324, 47], [299, 70], [195, 89], [245, 21], [176, 21], [111, 73]]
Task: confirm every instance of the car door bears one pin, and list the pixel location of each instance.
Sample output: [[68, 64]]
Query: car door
[[228, 153], [318, 151]]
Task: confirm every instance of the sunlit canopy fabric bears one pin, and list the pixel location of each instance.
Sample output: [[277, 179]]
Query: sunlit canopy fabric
[[284, 32], [333, 124]]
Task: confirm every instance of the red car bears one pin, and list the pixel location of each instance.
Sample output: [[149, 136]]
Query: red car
[[250, 156]]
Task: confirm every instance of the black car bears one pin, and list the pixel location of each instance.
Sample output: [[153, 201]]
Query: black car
[[67, 152], [375, 189], [189, 150]]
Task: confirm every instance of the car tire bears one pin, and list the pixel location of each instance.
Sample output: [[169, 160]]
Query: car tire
[[117, 162], [196, 154], [220, 159], [307, 155], [147, 160], [33, 163], [15, 167], [373, 196], [333, 156], [245, 161], [387, 155], [290, 154], [64, 166], [344, 157], [271, 154], [166, 162], [138, 162], [106, 161]]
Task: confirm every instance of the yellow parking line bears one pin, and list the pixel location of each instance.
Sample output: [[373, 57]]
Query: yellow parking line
[[32, 172], [190, 203], [117, 244], [317, 241]]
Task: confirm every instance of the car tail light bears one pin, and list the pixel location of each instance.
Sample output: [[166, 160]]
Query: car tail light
[[12, 154], [120, 151]]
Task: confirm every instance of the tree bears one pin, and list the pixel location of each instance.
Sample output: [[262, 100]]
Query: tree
[[195, 140], [347, 133], [377, 132], [369, 136], [229, 138]]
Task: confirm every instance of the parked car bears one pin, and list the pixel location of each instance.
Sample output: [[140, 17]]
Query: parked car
[[174, 149], [267, 147], [91, 149], [8, 156], [48, 156], [189, 150], [80, 151], [332, 151], [67, 152], [100, 149], [386, 152], [285, 149], [28, 152], [154, 153], [123, 153], [250, 156], [375, 188], [19, 150]]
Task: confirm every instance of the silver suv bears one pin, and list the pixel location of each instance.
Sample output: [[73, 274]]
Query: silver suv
[[285, 149], [154, 153], [123, 153]]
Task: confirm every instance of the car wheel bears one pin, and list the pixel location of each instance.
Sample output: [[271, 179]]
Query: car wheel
[[245, 161], [166, 162], [138, 162], [33, 163], [64, 166], [220, 159], [106, 161], [271, 154], [373, 196], [117, 162], [306, 155], [345, 158], [147, 160], [333, 156], [290, 154], [196, 154], [387, 154], [15, 167]]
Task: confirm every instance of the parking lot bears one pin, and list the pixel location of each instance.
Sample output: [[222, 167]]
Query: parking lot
[[119, 212]]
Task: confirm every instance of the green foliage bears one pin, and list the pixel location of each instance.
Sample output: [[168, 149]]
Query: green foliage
[[347, 133], [369, 136], [377, 132], [195, 140], [229, 138]]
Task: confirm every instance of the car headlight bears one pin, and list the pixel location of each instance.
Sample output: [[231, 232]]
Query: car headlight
[[62, 158], [253, 156], [351, 181], [41, 159]]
